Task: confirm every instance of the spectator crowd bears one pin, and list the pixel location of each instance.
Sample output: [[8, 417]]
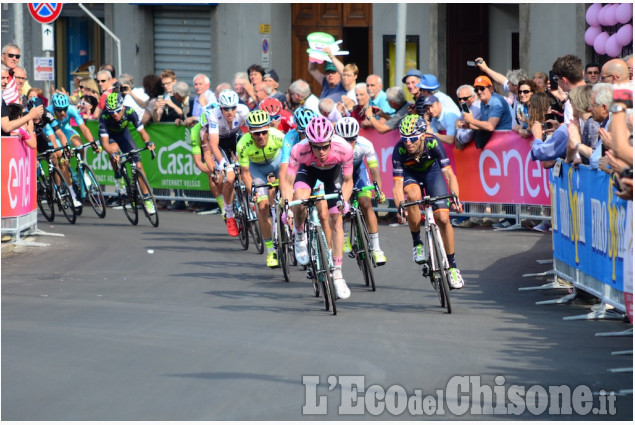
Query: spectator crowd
[[581, 114]]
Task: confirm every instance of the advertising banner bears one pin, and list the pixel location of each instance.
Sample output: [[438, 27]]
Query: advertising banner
[[590, 231], [19, 187]]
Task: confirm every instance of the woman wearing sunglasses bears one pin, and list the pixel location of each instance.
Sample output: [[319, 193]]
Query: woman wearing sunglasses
[[525, 89], [419, 157], [327, 157]]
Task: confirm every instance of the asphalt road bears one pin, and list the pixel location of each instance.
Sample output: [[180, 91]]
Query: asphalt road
[[94, 327]]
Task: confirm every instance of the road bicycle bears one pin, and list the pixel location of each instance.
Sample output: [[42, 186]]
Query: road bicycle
[[436, 266], [282, 233], [85, 183], [362, 249], [52, 188], [131, 197], [245, 213], [320, 269]]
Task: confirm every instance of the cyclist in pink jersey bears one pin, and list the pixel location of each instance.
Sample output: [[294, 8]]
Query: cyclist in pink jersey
[[329, 158]]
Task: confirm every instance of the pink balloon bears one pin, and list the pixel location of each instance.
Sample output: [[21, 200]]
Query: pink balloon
[[591, 33], [624, 13], [609, 16], [592, 14], [599, 44], [625, 35], [613, 48]]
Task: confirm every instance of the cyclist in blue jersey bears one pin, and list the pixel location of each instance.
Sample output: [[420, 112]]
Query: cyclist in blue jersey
[[114, 135], [63, 111]]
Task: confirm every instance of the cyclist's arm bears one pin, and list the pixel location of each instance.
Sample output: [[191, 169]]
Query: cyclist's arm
[[451, 180], [214, 141], [285, 188], [144, 136], [397, 190], [246, 176], [375, 174], [198, 161], [347, 187], [86, 132], [61, 136]]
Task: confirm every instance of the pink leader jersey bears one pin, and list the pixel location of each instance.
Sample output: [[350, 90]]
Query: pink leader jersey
[[341, 153]]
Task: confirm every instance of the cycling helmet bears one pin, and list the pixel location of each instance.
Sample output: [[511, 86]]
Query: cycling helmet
[[302, 116], [272, 105], [258, 119], [319, 130], [420, 105], [34, 102], [228, 99], [347, 127], [60, 101], [412, 125], [114, 102]]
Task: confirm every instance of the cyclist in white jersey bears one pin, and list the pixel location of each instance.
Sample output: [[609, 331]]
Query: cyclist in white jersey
[[224, 129], [348, 129]]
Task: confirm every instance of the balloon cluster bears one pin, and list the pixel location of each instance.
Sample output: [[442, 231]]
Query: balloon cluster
[[610, 15]]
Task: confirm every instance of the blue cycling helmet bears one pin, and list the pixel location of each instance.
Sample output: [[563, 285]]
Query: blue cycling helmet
[[60, 101], [302, 116], [34, 102]]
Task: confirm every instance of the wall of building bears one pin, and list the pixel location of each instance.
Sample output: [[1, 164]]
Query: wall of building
[[503, 21], [133, 26]]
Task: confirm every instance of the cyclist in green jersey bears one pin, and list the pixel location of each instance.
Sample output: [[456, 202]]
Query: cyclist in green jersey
[[259, 153], [199, 142]]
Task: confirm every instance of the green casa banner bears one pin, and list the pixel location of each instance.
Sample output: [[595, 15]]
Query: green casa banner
[[173, 167]]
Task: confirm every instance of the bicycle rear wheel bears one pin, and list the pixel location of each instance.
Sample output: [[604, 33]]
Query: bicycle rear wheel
[[363, 251], [283, 243], [92, 190], [328, 286], [440, 271], [45, 197], [128, 201], [63, 195], [141, 199]]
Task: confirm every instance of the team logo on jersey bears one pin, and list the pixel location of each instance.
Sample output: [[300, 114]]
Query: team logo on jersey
[[213, 125], [402, 151]]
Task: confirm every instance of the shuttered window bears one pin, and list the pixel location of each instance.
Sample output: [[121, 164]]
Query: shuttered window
[[182, 41]]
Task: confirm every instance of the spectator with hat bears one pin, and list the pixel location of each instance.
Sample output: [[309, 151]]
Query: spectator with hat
[[331, 81], [429, 85], [272, 80], [348, 74], [438, 119], [412, 80], [495, 114]]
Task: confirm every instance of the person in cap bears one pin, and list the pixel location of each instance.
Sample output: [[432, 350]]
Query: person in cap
[[429, 85], [272, 80], [331, 81], [438, 119], [495, 113], [411, 80]]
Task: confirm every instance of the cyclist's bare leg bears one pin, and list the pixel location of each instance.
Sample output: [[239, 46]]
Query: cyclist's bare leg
[[367, 209], [299, 211], [264, 219], [323, 215], [142, 185], [336, 230], [442, 218], [413, 193], [228, 188]]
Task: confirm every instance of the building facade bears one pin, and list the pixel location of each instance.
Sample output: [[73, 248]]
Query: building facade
[[222, 39]]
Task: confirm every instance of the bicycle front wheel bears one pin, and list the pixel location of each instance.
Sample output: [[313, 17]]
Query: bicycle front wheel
[[440, 271], [45, 198], [283, 245], [153, 218], [254, 229], [63, 195], [92, 190], [363, 251], [241, 219], [128, 201], [328, 286]]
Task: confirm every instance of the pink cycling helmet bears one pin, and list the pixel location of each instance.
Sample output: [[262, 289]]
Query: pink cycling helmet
[[319, 130]]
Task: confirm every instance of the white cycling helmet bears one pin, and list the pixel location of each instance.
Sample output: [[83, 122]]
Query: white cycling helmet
[[347, 127], [228, 98]]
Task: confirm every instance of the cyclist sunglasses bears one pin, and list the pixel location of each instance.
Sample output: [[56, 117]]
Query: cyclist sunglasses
[[228, 108], [60, 109], [321, 147], [350, 139], [412, 139]]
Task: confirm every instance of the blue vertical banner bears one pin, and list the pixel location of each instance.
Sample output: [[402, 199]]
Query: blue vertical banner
[[590, 231]]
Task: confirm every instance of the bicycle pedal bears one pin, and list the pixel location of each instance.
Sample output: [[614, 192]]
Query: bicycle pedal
[[351, 254], [426, 269], [309, 274]]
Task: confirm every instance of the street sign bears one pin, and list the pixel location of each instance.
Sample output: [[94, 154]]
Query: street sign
[[44, 69], [47, 38], [265, 52], [45, 13]]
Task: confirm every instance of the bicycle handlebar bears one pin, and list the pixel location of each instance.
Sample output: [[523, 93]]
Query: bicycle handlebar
[[427, 200], [49, 152], [84, 146], [374, 187], [313, 199], [123, 157]]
